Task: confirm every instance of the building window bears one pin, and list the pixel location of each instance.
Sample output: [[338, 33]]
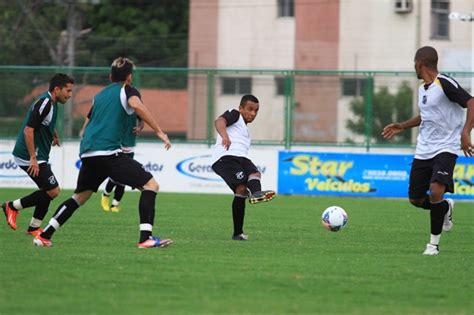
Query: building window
[[280, 86], [353, 87], [440, 19], [286, 8], [236, 85]]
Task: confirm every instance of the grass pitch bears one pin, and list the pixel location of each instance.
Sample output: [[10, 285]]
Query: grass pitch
[[290, 265]]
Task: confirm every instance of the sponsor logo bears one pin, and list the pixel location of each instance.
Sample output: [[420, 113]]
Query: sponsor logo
[[198, 167], [239, 175], [8, 167]]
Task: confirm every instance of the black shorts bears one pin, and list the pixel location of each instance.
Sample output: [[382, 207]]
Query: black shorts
[[123, 169], [234, 170], [424, 172], [45, 179]]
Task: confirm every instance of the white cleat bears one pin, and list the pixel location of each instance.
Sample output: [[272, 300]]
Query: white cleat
[[431, 250], [448, 217]]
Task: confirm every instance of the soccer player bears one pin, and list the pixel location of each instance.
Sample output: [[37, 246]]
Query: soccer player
[[31, 152], [442, 133], [101, 156], [129, 141], [135, 126], [231, 162]]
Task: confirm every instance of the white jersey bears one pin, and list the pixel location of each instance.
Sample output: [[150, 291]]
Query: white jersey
[[239, 136], [441, 106]]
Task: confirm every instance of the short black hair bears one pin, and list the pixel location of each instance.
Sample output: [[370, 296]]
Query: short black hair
[[428, 57], [60, 80], [120, 69], [248, 98]]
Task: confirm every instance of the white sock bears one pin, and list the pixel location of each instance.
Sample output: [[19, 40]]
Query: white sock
[[35, 223], [434, 239], [115, 203], [17, 204]]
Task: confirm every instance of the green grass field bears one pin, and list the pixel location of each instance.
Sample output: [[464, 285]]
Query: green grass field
[[290, 265]]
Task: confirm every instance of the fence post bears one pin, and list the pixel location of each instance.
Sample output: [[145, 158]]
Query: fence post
[[369, 113], [289, 100], [210, 107]]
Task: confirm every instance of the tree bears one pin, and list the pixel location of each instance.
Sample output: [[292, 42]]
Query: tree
[[387, 108]]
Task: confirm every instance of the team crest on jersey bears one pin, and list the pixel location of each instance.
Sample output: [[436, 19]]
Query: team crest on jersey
[[239, 175], [425, 99], [52, 180]]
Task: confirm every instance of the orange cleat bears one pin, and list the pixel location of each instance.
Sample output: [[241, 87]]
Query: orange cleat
[[10, 215]]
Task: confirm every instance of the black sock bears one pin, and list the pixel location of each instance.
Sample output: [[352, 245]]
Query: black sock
[[119, 191], [438, 210], [109, 187], [238, 214], [42, 207], [62, 214], [146, 210], [254, 185], [33, 199]]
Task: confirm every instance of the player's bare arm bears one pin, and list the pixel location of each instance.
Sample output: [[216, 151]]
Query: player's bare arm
[[56, 139], [144, 114], [395, 128], [139, 127], [466, 144], [29, 133], [221, 127]]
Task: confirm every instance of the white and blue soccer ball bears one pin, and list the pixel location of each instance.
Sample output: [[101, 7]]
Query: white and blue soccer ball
[[334, 218]]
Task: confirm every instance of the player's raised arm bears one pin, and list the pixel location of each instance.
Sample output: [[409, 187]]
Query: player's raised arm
[[144, 114], [466, 144], [395, 128], [221, 126]]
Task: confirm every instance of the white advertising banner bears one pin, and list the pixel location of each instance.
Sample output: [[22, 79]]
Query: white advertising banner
[[184, 168]]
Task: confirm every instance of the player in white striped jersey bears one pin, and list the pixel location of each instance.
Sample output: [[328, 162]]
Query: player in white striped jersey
[[231, 162], [443, 133]]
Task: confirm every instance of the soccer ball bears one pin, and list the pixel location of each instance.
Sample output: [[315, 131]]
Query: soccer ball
[[334, 218]]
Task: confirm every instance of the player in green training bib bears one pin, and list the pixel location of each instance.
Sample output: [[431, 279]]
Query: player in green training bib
[[102, 157], [31, 152]]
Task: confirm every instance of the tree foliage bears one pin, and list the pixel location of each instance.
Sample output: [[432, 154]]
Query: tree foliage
[[387, 108], [35, 32]]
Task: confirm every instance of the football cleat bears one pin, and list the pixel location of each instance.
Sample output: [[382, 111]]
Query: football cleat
[[240, 237], [262, 196], [35, 233], [431, 250], [115, 208], [448, 217], [154, 241], [104, 202], [10, 215], [42, 242]]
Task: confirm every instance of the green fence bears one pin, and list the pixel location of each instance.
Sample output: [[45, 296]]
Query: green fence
[[298, 107]]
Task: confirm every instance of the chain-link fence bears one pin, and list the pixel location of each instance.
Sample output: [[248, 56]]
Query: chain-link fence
[[346, 108]]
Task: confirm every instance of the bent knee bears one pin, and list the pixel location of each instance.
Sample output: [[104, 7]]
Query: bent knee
[[241, 190], [152, 185], [53, 193]]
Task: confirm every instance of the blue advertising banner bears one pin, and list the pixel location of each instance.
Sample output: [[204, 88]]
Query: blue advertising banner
[[347, 174]]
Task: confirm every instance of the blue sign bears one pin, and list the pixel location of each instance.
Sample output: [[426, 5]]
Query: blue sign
[[347, 174]]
